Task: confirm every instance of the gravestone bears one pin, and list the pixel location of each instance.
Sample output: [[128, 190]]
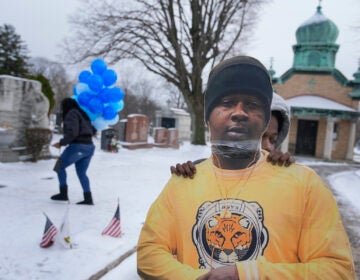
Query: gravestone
[[22, 106], [120, 129], [136, 132], [166, 137], [173, 139], [106, 138], [161, 135]]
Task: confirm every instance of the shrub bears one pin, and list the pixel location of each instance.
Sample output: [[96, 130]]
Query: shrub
[[36, 140]]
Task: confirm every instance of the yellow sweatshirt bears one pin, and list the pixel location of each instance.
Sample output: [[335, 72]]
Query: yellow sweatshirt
[[273, 222]]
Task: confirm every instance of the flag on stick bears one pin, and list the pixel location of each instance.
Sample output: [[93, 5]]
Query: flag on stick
[[64, 233], [49, 233], [114, 228]]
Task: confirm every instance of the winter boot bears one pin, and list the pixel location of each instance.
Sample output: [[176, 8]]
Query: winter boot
[[87, 199], [63, 195]]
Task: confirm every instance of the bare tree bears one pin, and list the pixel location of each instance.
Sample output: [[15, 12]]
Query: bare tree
[[138, 97], [178, 40], [175, 97], [56, 74]]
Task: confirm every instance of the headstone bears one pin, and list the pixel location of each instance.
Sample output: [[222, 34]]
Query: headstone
[[7, 136], [173, 140], [136, 134], [120, 129], [106, 138], [161, 135], [22, 106], [166, 138]]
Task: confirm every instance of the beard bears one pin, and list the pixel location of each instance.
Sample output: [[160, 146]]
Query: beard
[[235, 149]]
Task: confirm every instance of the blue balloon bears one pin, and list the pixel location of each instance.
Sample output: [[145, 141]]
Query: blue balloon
[[113, 121], [99, 124], [116, 94], [104, 95], [84, 76], [91, 116], [95, 82], [109, 77], [118, 106], [98, 66], [95, 105], [80, 88], [84, 98], [109, 113], [97, 96]]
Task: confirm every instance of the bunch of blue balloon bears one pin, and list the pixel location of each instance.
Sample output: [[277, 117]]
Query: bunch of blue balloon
[[97, 95]]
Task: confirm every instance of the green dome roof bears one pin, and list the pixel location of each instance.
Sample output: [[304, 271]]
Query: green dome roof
[[317, 29]]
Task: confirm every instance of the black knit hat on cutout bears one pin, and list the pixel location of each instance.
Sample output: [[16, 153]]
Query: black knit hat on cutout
[[239, 75]]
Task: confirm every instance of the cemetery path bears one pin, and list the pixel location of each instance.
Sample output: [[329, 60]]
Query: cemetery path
[[350, 216]]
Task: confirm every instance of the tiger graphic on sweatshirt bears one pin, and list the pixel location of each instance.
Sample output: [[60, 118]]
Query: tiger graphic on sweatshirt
[[227, 231]]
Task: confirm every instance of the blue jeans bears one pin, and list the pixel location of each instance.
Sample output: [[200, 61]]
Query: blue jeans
[[80, 154]]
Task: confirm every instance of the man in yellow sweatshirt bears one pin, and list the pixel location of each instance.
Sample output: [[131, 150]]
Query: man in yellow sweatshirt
[[242, 217]]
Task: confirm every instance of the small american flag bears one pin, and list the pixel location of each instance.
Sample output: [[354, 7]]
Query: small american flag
[[49, 234], [114, 228]]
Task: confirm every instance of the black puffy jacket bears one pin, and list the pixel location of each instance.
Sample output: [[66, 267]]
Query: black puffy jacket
[[77, 128]]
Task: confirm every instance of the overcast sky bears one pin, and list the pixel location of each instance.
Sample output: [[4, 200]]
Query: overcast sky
[[42, 24]]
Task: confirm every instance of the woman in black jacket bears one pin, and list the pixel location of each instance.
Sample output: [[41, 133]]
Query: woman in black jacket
[[78, 133]]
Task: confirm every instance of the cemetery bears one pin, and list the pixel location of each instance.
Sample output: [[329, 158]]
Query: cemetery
[[26, 130]]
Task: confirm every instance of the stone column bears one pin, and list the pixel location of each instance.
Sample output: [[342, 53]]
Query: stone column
[[328, 138], [350, 149]]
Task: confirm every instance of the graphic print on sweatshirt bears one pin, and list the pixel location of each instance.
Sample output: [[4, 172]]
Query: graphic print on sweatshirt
[[227, 231]]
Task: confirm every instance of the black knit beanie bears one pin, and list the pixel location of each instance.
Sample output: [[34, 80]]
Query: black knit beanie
[[239, 75]]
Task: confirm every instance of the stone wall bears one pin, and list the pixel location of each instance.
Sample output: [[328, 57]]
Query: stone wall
[[22, 106]]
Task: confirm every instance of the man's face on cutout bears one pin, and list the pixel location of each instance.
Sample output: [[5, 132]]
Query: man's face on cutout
[[237, 117]]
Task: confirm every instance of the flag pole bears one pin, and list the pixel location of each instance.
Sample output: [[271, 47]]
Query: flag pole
[[64, 236], [67, 238]]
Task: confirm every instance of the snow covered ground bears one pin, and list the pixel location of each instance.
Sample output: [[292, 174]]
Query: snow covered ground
[[135, 177], [347, 184]]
